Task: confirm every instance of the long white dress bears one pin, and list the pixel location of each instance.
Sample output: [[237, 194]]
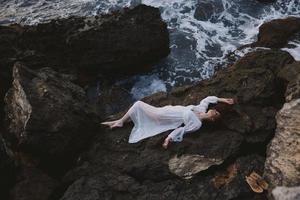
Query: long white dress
[[150, 120]]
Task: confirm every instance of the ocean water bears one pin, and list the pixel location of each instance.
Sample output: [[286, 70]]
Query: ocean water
[[198, 46]]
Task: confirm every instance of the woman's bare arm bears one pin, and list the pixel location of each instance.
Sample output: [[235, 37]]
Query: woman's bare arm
[[226, 100]]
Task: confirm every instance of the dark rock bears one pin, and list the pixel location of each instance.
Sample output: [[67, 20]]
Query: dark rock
[[208, 9], [144, 170], [291, 74], [48, 115], [253, 81], [230, 183], [293, 89], [210, 148], [108, 102], [7, 169], [124, 42], [33, 184], [222, 185], [51, 120], [276, 33]]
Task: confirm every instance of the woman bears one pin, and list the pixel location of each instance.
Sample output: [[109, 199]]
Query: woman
[[150, 120]]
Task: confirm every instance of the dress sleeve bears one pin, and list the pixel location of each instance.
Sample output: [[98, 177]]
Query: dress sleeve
[[191, 124], [206, 101]]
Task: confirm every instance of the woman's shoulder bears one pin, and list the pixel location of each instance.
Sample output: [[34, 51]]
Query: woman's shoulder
[[190, 107], [188, 113]]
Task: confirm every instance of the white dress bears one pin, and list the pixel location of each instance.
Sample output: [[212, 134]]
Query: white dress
[[150, 120]]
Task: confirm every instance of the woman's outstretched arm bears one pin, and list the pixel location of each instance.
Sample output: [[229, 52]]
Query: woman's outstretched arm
[[207, 100], [204, 103], [226, 100]]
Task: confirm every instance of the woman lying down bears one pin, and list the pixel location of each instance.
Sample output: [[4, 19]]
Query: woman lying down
[[150, 120]]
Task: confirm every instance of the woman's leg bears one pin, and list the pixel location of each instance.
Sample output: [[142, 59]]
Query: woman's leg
[[117, 123], [124, 119]]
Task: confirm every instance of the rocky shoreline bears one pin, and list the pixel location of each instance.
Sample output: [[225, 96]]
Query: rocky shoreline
[[51, 144]]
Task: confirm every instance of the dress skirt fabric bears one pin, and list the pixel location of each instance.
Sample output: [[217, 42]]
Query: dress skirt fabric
[[150, 120]]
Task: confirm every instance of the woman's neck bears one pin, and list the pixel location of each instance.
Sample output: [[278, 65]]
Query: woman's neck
[[203, 116]]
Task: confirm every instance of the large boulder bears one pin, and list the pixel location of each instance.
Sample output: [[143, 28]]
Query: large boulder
[[8, 51], [120, 42], [144, 170], [276, 33], [48, 115], [126, 41], [283, 161]]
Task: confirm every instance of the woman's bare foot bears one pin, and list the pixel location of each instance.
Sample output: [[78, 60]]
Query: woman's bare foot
[[113, 124], [166, 143]]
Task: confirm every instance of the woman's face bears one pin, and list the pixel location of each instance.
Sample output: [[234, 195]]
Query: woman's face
[[213, 114]]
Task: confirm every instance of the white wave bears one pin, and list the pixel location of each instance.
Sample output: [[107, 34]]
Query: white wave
[[295, 52], [146, 85], [236, 25]]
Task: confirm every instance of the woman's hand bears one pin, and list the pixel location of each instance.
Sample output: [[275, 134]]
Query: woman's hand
[[229, 101]]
